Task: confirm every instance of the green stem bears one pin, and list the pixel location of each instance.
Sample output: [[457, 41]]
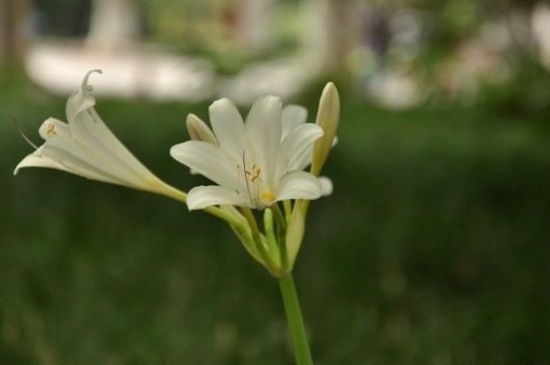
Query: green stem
[[295, 321], [279, 216], [162, 188]]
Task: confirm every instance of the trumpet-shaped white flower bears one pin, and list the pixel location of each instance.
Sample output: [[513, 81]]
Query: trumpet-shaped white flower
[[256, 163], [85, 146]]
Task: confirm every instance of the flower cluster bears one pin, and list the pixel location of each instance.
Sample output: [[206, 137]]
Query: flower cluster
[[257, 164]]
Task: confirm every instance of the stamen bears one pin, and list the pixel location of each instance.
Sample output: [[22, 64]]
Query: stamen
[[51, 130], [27, 139], [252, 177], [246, 173], [256, 171]]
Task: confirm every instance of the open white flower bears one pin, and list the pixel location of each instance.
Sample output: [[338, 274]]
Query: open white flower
[[85, 146], [256, 163]]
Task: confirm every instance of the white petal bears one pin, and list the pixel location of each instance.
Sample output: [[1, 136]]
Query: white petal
[[54, 158], [265, 118], [299, 185], [326, 186], [95, 159], [293, 116], [263, 127], [80, 160], [87, 127], [86, 147], [36, 160], [210, 161], [62, 151], [52, 127], [204, 196], [295, 149], [228, 127]]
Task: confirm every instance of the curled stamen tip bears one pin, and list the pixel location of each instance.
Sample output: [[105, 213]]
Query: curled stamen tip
[[85, 85]]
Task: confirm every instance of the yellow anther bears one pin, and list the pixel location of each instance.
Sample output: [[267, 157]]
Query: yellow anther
[[254, 174], [256, 171], [51, 130]]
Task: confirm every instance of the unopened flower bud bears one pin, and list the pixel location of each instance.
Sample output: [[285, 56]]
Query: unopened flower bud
[[328, 116], [199, 131]]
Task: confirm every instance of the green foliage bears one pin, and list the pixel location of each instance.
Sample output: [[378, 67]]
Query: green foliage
[[433, 249], [450, 22], [526, 93]]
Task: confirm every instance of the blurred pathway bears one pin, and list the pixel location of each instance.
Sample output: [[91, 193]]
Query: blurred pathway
[[127, 73], [154, 74]]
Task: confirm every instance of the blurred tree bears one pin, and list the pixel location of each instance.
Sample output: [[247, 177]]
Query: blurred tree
[[114, 23], [330, 30], [13, 20], [342, 25], [541, 32], [255, 23]]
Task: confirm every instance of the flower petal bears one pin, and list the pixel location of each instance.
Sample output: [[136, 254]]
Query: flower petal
[[89, 160], [87, 127], [292, 117], [326, 186], [62, 158], [71, 156], [52, 127], [264, 121], [295, 150], [228, 127], [299, 185], [204, 196], [62, 152], [82, 99], [263, 128], [37, 160], [86, 147], [210, 161]]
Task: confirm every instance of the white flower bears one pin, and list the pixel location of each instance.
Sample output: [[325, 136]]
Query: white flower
[[256, 163], [85, 146]]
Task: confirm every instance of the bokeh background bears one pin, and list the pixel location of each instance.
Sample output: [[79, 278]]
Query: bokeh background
[[434, 248]]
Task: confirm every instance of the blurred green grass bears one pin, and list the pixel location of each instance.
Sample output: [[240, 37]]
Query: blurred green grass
[[433, 249]]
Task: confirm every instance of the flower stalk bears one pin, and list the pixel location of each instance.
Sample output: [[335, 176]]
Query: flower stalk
[[302, 353]]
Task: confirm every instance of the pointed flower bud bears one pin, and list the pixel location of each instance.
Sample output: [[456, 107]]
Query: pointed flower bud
[[199, 130], [328, 116]]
